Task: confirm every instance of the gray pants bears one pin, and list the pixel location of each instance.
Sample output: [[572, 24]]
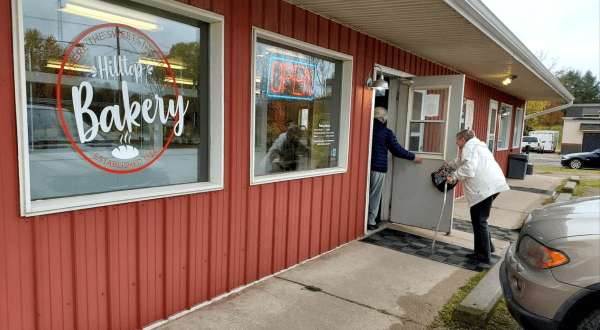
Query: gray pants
[[375, 189]]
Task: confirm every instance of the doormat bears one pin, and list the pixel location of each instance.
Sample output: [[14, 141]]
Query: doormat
[[533, 190], [500, 233], [421, 247]]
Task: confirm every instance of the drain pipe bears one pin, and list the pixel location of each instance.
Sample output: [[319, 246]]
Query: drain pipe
[[541, 113]]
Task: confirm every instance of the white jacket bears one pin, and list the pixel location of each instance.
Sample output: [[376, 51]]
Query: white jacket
[[481, 175]]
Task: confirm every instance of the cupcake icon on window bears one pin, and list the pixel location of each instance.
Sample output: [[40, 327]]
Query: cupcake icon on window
[[125, 151]]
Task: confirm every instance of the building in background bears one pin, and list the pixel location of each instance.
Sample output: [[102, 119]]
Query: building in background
[[581, 130]]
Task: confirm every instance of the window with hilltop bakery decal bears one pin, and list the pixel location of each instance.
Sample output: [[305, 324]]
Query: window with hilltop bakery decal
[[116, 98]]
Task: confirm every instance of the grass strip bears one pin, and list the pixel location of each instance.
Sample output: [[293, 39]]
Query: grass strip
[[563, 169], [500, 320], [578, 191], [590, 183]]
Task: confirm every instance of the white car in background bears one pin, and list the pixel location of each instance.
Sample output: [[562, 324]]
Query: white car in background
[[57, 170], [532, 143]]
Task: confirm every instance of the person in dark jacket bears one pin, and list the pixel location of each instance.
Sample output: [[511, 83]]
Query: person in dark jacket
[[383, 140]]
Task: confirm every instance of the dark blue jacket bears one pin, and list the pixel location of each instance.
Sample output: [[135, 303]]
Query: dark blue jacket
[[384, 140]]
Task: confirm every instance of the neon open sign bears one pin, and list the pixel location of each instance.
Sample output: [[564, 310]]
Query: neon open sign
[[291, 79]]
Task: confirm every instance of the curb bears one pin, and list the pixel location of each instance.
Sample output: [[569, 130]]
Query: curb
[[479, 304]]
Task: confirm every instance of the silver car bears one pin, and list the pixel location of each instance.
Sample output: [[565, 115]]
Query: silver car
[[551, 276]]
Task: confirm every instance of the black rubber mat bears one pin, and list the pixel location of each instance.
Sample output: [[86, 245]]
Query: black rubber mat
[[533, 190], [502, 234], [421, 247]]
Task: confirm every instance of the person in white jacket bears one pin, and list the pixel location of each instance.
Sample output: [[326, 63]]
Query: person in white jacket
[[483, 180]]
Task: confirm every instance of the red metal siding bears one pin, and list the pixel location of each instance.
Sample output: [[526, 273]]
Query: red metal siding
[[129, 265]]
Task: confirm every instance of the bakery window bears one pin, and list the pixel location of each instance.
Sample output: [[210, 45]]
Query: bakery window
[[114, 104], [301, 109]]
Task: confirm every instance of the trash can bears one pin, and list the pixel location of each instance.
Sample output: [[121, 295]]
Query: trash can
[[529, 169], [517, 166]]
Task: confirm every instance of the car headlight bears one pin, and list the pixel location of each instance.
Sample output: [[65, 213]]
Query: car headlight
[[566, 157], [540, 256]]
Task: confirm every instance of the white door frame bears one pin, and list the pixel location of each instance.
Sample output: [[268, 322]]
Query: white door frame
[[387, 186]]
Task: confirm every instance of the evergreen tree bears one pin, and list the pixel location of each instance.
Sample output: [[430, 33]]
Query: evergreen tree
[[585, 88]]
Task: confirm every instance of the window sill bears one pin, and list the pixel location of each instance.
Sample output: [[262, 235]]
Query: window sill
[[287, 176], [428, 156], [49, 206]]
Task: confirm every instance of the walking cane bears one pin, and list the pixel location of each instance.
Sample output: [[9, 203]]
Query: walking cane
[[440, 218]]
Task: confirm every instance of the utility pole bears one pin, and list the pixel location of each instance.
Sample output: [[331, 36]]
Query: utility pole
[[60, 29]]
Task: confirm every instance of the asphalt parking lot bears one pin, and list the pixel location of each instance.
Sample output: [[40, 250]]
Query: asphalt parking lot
[[545, 159]]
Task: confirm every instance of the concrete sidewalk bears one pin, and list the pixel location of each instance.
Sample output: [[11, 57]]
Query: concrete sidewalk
[[363, 286]]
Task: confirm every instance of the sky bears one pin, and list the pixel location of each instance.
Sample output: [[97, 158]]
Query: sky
[[566, 29]]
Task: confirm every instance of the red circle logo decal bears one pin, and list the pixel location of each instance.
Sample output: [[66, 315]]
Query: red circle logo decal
[[121, 61]]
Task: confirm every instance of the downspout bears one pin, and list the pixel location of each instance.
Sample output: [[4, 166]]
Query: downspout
[[541, 113]]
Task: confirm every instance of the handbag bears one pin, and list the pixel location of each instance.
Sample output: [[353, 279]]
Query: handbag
[[439, 178]]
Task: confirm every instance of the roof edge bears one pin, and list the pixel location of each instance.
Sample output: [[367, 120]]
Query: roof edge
[[483, 18]]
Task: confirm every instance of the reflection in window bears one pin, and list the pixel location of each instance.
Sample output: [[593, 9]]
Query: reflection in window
[[504, 126], [297, 110], [427, 120], [518, 127], [118, 84]]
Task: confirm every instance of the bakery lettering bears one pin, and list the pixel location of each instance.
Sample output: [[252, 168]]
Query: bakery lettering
[[110, 115]]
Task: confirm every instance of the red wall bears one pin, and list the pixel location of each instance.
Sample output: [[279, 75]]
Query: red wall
[[482, 94], [129, 265]]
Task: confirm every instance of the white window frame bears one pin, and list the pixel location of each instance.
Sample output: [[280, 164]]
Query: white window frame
[[491, 131], [444, 122], [518, 130], [507, 129], [216, 125], [345, 109]]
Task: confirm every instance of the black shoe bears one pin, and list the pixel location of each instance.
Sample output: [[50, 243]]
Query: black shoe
[[492, 249], [372, 227], [484, 265], [479, 258]]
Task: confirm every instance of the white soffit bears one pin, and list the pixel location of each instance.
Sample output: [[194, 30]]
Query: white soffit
[[462, 35]]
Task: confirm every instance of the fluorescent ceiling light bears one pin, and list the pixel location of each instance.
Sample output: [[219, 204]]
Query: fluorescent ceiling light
[[182, 81], [68, 66], [174, 65], [109, 18], [284, 52]]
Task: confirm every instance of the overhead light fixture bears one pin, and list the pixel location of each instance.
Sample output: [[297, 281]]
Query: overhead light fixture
[[105, 16], [172, 63], [380, 83], [406, 81], [509, 79], [69, 66], [182, 81]]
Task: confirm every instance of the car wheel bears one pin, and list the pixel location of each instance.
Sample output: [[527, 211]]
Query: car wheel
[[575, 163], [591, 322]]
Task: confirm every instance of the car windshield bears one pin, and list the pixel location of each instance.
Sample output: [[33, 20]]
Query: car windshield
[[45, 127], [530, 139]]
